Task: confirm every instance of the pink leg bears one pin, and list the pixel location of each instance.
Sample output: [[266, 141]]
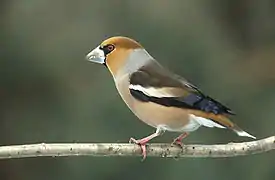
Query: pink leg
[[178, 140], [142, 142]]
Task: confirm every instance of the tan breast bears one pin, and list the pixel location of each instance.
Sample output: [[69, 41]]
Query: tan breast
[[151, 113]]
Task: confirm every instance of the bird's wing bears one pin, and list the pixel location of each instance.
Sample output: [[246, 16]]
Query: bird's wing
[[153, 83]]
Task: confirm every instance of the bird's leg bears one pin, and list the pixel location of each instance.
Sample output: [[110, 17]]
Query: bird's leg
[[142, 142], [178, 140]]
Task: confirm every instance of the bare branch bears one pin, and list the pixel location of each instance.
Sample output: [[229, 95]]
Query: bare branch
[[153, 150]]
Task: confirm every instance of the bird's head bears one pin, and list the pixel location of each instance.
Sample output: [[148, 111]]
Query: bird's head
[[114, 52]]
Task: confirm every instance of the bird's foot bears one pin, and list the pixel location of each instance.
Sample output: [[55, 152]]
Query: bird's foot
[[142, 144], [178, 140], [178, 143]]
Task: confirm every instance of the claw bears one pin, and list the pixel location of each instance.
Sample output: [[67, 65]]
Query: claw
[[132, 140], [143, 150], [142, 145]]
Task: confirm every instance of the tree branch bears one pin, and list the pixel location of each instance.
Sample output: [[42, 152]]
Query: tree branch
[[153, 150]]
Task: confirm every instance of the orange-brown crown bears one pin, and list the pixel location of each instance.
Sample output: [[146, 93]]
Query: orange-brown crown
[[122, 42]]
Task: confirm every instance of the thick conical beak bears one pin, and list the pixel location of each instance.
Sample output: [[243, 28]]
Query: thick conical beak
[[96, 55]]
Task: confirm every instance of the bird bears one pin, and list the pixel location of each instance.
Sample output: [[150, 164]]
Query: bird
[[156, 95]]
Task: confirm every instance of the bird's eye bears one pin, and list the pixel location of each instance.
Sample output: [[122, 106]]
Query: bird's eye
[[108, 48], [111, 47]]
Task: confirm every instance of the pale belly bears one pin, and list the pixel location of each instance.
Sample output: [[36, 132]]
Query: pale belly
[[168, 118]]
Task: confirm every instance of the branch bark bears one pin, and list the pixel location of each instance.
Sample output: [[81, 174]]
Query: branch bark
[[153, 150]]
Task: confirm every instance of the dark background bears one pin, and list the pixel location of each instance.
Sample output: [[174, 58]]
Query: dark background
[[50, 93]]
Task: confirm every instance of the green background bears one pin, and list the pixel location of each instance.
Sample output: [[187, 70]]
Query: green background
[[50, 93]]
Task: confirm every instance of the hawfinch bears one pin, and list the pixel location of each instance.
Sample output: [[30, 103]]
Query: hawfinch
[[156, 96]]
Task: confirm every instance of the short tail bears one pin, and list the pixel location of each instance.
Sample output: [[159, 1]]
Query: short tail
[[225, 121], [222, 121], [241, 132]]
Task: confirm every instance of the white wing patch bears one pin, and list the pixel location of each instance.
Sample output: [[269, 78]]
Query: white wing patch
[[151, 91], [205, 122]]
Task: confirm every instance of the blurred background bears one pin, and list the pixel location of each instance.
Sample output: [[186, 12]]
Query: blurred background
[[50, 93]]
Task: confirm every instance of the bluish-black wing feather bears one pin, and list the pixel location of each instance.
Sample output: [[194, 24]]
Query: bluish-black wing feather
[[192, 101]]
